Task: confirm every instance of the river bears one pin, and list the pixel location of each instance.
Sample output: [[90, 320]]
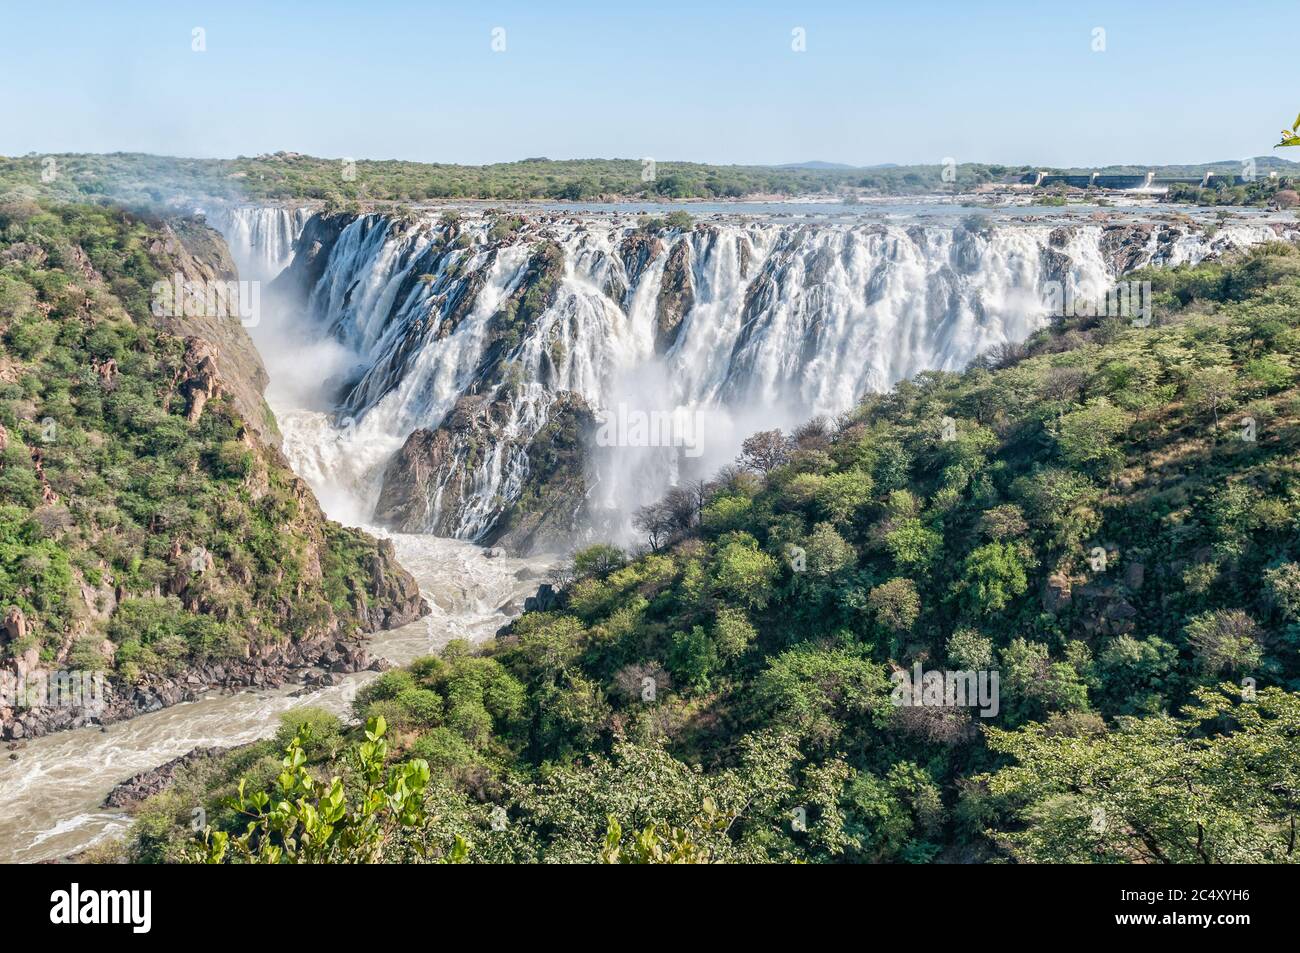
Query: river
[[52, 790]]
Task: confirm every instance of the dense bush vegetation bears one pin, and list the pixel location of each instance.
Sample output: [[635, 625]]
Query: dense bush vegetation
[[148, 180], [178, 542], [1223, 191], [145, 180], [1106, 516]]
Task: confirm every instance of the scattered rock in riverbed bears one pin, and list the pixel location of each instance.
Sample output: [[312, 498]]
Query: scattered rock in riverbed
[[270, 668], [543, 600], [146, 784]]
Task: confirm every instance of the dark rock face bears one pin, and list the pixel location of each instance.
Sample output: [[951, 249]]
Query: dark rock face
[[1056, 264], [553, 505], [411, 477], [1105, 610], [543, 600], [198, 254], [1135, 575], [967, 250], [397, 598], [638, 250], [745, 253], [430, 481], [202, 380], [1057, 592], [311, 256], [431, 467], [1060, 237], [273, 667], [1123, 247], [536, 292], [146, 784], [676, 296]]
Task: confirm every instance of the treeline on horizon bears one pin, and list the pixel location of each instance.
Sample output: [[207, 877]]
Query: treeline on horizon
[[141, 179]]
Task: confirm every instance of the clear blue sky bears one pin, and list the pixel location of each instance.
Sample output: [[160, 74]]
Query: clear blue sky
[[905, 81]]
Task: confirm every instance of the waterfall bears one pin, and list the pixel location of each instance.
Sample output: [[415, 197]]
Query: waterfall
[[474, 332], [261, 238]]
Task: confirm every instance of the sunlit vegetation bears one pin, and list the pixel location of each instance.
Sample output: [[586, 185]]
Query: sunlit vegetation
[[150, 180], [133, 539], [1109, 523]]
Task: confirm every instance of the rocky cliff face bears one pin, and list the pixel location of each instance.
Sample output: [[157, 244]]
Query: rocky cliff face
[[431, 479], [199, 256], [220, 358], [180, 553], [676, 297]]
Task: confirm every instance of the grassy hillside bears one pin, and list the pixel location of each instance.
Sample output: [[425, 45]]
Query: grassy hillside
[[1105, 516], [145, 527]]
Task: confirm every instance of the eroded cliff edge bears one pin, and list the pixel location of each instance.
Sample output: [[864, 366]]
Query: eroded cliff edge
[[156, 544]]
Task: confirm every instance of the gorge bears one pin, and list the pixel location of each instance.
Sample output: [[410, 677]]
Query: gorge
[[446, 375]]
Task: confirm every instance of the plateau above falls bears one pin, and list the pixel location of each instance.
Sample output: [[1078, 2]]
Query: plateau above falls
[[529, 380]]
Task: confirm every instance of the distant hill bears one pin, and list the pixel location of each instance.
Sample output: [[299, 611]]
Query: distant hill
[[816, 164], [153, 181], [1269, 162]]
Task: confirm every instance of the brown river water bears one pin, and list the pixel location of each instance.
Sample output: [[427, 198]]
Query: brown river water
[[51, 795]]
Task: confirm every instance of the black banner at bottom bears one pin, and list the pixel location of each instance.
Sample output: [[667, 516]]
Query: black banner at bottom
[[140, 905]]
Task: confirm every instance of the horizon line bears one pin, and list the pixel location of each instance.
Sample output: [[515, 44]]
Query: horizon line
[[808, 165]]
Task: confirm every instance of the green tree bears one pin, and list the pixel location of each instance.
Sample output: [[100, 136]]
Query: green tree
[[993, 575], [307, 821], [744, 572], [1219, 784], [1225, 640], [1087, 437]]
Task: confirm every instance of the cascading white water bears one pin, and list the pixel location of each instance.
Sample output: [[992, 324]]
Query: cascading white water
[[260, 238], [786, 321]]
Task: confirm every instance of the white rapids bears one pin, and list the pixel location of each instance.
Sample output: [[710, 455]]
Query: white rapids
[[51, 794]]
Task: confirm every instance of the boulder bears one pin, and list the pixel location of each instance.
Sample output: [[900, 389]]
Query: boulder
[[15, 624], [1057, 592], [543, 600]]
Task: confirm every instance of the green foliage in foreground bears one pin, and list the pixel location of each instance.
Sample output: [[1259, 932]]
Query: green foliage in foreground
[[306, 822], [1106, 516], [1218, 784]]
